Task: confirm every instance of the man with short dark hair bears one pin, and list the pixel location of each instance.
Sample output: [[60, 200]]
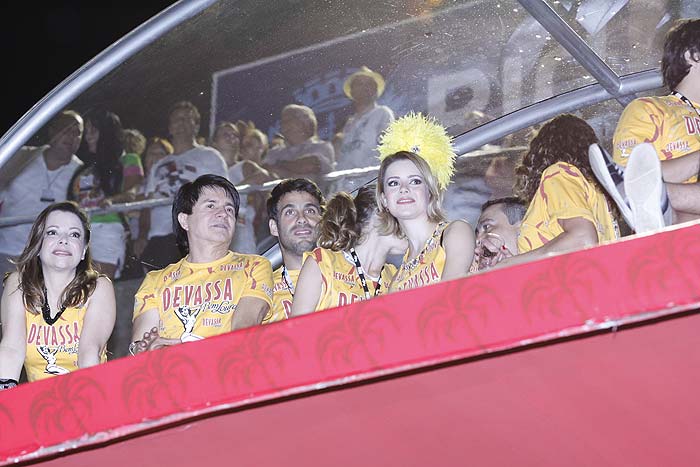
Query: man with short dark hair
[[497, 231], [671, 124], [211, 290], [294, 209]]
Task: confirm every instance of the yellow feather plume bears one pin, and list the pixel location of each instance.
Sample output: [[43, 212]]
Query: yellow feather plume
[[425, 137]]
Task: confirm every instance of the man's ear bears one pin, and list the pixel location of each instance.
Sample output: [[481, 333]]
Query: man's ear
[[691, 58], [184, 220], [272, 224]]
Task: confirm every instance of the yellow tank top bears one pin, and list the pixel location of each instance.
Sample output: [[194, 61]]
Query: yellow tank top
[[53, 349], [340, 282], [281, 296], [424, 269]]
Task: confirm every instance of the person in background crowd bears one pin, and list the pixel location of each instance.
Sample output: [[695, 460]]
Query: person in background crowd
[[497, 231], [156, 149], [109, 176], [229, 290], [568, 209], [188, 161], [35, 177], [293, 210], [360, 134], [416, 166], [671, 124], [351, 263], [57, 311], [303, 153]]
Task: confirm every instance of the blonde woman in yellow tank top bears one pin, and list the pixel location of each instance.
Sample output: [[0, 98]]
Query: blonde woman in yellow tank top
[[57, 311], [351, 263], [416, 167]]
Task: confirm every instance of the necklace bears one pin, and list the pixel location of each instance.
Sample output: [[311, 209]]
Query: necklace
[[407, 266], [361, 275], [287, 279], [686, 101], [46, 310]]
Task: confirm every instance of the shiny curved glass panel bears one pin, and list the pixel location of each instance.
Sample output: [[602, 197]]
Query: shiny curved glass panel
[[627, 34]]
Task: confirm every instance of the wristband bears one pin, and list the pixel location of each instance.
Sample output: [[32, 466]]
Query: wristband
[[7, 383]]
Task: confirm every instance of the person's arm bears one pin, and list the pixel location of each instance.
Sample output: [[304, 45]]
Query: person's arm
[[98, 324], [253, 174], [308, 164], [682, 168], [144, 227], [578, 233], [308, 289], [144, 335], [250, 311], [13, 346], [459, 242]]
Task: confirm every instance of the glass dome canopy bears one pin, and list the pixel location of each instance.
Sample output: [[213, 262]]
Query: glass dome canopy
[[484, 68]]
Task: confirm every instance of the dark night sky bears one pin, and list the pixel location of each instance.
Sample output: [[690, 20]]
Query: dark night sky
[[44, 42]]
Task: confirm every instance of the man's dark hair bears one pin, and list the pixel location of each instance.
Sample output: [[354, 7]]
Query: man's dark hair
[[188, 195], [513, 207], [683, 36], [287, 186]]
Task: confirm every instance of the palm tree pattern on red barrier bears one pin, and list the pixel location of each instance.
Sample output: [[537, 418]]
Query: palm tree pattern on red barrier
[[353, 336], [259, 353], [567, 283], [655, 271], [466, 308], [161, 381], [68, 404]]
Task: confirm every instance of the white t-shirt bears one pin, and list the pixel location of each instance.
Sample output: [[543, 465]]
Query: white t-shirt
[[361, 137], [170, 173], [244, 235], [23, 196]]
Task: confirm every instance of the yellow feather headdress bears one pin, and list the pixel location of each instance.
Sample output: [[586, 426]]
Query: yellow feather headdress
[[425, 137]]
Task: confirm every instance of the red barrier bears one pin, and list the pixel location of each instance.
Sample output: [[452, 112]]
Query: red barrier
[[577, 293]]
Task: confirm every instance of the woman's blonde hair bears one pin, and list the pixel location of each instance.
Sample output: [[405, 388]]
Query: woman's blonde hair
[[389, 225]]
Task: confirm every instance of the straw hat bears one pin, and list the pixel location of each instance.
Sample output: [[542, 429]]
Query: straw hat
[[364, 71]]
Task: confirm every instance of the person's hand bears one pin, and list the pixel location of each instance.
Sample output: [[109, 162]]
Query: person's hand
[[151, 341], [105, 203], [491, 250]]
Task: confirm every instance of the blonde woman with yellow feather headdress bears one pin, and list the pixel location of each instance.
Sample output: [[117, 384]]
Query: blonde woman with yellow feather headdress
[[417, 163]]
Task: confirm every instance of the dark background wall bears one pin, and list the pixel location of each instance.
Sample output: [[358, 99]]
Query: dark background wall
[[44, 42]]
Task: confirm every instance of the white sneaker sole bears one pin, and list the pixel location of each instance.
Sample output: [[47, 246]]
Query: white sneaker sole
[[643, 187], [600, 170]]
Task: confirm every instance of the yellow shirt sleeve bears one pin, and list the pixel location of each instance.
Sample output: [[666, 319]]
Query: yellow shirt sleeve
[[639, 123], [259, 279], [145, 298]]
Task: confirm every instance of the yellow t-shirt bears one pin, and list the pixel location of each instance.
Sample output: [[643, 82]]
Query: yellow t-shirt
[[53, 349], [424, 269], [197, 300], [340, 282], [668, 123], [282, 296], [564, 193]]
